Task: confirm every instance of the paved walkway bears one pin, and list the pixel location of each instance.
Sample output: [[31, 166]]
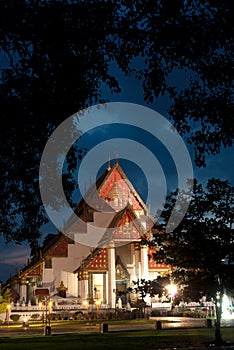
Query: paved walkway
[[167, 323]]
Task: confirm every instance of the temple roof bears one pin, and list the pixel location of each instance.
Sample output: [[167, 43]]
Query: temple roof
[[92, 258], [117, 207], [111, 192], [124, 227]]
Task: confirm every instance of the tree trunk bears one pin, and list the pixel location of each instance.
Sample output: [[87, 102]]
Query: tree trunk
[[218, 336]]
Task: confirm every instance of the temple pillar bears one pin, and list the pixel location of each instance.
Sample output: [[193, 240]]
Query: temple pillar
[[86, 288], [137, 261], [104, 288], [83, 285], [133, 262], [90, 288], [144, 263], [23, 290], [80, 294], [111, 277]]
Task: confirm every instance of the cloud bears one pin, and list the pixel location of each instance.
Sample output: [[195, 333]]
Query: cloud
[[13, 254]]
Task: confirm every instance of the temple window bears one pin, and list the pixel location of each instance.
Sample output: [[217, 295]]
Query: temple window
[[48, 263]]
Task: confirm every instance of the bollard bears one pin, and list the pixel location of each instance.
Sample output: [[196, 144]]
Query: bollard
[[158, 325], [47, 330], [104, 328], [209, 323]]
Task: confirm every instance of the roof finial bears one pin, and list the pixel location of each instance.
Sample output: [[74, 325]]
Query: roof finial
[[109, 167], [116, 160]]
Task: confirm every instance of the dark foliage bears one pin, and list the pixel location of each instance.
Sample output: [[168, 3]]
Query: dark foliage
[[55, 58], [201, 247]]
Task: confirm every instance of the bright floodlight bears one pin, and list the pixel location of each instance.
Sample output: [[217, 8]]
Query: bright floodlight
[[172, 289], [226, 312]]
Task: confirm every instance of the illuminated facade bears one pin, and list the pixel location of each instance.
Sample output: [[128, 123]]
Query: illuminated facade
[[102, 273]]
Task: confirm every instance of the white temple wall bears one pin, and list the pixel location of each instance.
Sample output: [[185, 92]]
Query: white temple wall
[[111, 277], [70, 281], [144, 262], [98, 284], [48, 274], [63, 267], [125, 254]]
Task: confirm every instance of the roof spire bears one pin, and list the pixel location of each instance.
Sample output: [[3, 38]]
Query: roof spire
[[109, 167], [116, 157]]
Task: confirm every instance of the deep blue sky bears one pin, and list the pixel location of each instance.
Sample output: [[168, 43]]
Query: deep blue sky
[[15, 256]]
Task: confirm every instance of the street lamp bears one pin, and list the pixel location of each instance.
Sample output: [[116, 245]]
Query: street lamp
[[172, 290], [41, 306], [49, 309], [46, 309], [98, 302], [86, 305], [45, 306], [8, 314]]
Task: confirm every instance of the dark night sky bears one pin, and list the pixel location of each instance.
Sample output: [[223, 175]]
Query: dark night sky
[[14, 256]]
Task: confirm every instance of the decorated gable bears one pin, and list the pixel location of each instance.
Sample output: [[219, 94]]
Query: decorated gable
[[124, 226], [30, 271], [99, 262], [153, 265], [117, 190], [128, 227], [35, 271]]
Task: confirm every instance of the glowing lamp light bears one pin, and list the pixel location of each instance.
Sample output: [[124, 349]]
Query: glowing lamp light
[[172, 289], [226, 311], [98, 302], [8, 313], [85, 303]]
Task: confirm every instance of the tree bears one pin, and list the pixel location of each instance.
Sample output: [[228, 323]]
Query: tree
[[55, 59], [4, 299], [191, 38], [141, 287], [202, 244]]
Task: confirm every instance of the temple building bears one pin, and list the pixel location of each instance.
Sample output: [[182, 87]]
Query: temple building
[[99, 253]]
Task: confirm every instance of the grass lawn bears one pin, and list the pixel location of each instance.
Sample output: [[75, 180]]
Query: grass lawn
[[140, 340]]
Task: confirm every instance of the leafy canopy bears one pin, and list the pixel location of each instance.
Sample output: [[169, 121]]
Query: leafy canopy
[[202, 245], [56, 58]]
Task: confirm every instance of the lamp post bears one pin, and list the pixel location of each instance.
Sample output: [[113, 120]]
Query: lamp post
[[41, 306], [49, 309], [86, 305], [98, 302], [8, 314], [46, 310]]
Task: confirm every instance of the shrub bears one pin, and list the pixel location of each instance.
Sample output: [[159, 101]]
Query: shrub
[[156, 313], [54, 317], [15, 317], [78, 315], [35, 316], [110, 315]]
